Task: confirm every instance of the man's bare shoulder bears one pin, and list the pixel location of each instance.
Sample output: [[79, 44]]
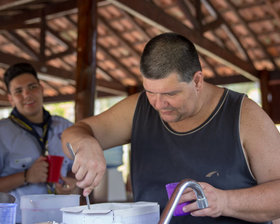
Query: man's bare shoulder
[[253, 114], [254, 121], [260, 139]]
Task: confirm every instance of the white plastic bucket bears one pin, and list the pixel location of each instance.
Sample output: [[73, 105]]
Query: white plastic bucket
[[45, 207], [8, 213], [113, 213]]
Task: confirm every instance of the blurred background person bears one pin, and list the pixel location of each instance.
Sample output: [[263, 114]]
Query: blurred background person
[[27, 136]]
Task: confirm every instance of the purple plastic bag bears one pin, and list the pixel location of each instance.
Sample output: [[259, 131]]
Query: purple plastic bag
[[179, 208]]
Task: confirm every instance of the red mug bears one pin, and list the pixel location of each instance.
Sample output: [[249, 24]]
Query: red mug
[[55, 164]]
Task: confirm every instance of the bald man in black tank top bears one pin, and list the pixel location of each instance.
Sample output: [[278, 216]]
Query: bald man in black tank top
[[182, 127]]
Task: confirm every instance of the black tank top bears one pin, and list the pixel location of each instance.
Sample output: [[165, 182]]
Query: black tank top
[[210, 153]]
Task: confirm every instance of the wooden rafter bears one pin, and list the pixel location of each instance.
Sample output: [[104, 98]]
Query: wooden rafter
[[21, 43], [119, 65], [227, 29], [52, 11], [156, 17], [116, 34], [60, 75], [245, 24]]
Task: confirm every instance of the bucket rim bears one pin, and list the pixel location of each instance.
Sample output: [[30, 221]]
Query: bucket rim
[[2, 205]]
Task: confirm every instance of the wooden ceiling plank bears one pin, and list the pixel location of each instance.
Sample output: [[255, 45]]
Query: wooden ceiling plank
[[185, 9], [199, 15], [227, 29], [122, 41], [136, 25], [6, 4], [42, 44], [111, 85], [198, 25], [212, 25], [59, 98], [156, 17], [107, 75], [111, 91], [22, 26], [71, 21], [244, 23], [40, 67], [33, 16], [60, 39], [227, 79], [118, 64], [21, 43], [258, 20], [273, 11], [212, 68], [55, 74], [102, 92], [52, 87], [251, 4], [60, 55]]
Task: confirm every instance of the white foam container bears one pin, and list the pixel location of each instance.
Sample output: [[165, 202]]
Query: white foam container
[[113, 213], [45, 207]]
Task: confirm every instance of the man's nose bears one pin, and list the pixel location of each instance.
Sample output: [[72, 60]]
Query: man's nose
[[26, 92], [160, 102]]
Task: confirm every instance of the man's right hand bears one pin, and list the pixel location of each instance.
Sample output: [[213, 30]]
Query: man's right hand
[[90, 136], [89, 165], [38, 172]]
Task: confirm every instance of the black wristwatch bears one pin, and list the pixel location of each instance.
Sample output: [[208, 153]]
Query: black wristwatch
[[25, 177]]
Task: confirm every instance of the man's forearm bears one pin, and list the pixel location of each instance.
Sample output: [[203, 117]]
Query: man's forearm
[[11, 182], [256, 204], [74, 134]]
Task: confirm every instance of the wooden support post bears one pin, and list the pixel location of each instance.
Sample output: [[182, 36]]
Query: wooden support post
[[86, 59]]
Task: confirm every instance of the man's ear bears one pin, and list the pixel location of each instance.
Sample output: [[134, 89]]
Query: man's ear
[[10, 98], [198, 80]]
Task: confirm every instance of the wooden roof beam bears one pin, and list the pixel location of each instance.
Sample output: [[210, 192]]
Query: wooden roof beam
[[116, 62], [244, 23], [122, 41], [51, 12], [273, 11], [55, 88], [49, 73], [227, 80], [106, 75], [227, 28], [136, 26], [154, 16], [7, 4], [40, 67], [21, 43], [59, 39], [186, 10]]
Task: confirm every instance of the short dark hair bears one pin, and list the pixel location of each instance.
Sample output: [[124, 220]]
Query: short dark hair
[[167, 53], [16, 70]]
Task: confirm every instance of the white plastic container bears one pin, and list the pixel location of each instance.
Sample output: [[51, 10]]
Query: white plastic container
[[113, 213], [45, 207]]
